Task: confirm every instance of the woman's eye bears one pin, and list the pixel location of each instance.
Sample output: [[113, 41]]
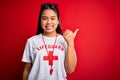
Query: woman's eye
[[52, 18], [44, 18]]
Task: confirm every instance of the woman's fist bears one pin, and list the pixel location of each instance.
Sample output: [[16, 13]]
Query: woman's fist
[[69, 36]]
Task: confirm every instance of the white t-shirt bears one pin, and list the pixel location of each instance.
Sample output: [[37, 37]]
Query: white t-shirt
[[34, 53]]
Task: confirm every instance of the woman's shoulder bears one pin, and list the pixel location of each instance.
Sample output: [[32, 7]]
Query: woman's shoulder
[[60, 37], [34, 37]]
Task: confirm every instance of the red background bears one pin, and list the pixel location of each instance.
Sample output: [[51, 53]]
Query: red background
[[97, 43]]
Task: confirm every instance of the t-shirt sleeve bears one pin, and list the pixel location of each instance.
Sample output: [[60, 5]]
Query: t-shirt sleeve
[[26, 54]]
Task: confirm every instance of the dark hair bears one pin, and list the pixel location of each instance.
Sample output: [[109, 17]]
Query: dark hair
[[54, 8]]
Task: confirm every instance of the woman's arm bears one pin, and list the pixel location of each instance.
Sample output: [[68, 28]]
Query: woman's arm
[[70, 58], [26, 71]]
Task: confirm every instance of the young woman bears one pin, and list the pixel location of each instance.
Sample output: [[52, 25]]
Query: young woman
[[49, 55]]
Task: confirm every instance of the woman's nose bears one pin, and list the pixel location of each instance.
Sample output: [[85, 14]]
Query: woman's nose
[[48, 21]]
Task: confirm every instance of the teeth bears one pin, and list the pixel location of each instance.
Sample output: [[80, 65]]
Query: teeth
[[48, 27]]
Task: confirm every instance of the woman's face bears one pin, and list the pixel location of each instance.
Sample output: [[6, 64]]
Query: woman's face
[[49, 21]]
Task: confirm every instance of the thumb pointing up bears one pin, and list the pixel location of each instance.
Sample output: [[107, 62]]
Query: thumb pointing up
[[75, 32]]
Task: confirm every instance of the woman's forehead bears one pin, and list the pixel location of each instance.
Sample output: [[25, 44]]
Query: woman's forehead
[[49, 12]]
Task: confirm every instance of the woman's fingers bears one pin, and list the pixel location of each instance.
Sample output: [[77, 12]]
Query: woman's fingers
[[75, 32], [69, 33]]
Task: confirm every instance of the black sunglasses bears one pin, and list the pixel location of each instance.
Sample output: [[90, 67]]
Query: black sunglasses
[[49, 5]]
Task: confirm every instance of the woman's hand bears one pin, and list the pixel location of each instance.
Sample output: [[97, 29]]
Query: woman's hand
[[69, 36], [70, 58]]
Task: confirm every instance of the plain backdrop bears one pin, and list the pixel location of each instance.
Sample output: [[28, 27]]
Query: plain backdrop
[[97, 43]]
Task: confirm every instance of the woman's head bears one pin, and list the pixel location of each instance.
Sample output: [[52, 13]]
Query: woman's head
[[49, 19]]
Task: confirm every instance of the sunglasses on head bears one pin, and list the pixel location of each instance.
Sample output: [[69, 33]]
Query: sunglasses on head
[[49, 5]]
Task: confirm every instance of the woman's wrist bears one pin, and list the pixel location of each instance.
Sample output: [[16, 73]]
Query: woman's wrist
[[71, 44]]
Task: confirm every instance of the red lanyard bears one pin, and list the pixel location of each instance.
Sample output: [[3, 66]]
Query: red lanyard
[[50, 59]]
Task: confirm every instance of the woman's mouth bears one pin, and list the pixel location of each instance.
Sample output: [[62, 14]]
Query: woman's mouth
[[49, 27]]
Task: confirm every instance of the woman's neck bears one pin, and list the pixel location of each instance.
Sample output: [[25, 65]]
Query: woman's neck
[[50, 34]]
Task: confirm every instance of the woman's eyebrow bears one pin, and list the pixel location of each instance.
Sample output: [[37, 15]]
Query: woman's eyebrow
[[53, 16], [50, 16], [47, 17], [44, 16]]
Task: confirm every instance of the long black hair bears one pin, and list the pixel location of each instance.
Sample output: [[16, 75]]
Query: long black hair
[[54, 7]]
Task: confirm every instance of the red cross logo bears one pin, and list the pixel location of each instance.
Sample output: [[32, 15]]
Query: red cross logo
[[50, 57]]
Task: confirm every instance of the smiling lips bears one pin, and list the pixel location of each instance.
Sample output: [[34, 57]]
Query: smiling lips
[[48, 27]]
